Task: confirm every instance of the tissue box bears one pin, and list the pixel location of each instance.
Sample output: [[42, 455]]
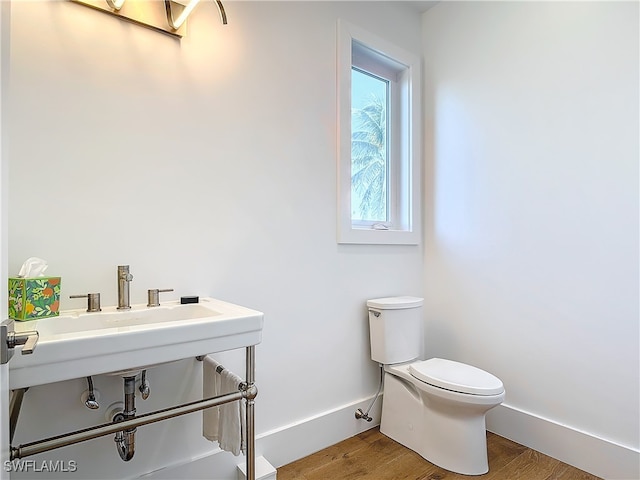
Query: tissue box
[[33, 298]]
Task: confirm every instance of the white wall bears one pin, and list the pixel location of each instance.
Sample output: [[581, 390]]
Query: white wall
[[5, 12], [208, 165], [532, 222]]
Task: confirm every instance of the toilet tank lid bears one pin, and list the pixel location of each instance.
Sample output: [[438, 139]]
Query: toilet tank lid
[[395, 303]]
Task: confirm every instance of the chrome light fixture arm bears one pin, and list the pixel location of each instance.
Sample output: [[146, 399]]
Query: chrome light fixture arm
[[115, 4], [176, 22]]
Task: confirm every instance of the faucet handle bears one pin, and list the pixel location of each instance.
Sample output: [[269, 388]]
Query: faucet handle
[[93, 301], [153, 296]]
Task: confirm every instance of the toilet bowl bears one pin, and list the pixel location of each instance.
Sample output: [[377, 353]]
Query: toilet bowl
[[435, 407], [445, 426]]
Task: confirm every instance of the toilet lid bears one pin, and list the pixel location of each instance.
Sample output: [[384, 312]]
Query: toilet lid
[[456, 376]]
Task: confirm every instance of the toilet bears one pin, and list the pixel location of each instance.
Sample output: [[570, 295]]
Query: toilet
[[435, 407]]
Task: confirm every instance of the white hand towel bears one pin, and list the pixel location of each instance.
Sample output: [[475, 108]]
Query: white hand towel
[[210, 388], [225, 423]]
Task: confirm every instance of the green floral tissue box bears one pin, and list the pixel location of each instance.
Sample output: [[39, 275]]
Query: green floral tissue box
[[33, 298]]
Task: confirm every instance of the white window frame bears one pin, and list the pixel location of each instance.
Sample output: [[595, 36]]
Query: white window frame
[[381, 58]]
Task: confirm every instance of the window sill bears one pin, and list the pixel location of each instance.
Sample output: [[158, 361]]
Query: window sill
[[378, 237]]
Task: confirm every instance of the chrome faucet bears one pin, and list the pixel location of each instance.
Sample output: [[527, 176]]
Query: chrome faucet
[[124, 278]]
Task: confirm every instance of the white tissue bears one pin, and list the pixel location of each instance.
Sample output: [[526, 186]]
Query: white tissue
[[33, 267]]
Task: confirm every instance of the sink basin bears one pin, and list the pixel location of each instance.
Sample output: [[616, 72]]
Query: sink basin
[[77, 343], [75, 322]]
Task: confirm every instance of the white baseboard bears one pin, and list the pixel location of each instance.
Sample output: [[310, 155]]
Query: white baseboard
[[294, 441], [291, 442], [279, 446], [583, 450]]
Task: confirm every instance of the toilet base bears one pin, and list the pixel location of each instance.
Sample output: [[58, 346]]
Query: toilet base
[[448, 433]]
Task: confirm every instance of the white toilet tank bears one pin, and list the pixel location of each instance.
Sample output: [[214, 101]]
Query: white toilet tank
[[395, 329]]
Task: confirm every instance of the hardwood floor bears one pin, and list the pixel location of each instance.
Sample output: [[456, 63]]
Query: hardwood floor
[[373, 456]]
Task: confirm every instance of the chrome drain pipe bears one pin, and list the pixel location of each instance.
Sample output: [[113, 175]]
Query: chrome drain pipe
[[126, 439]]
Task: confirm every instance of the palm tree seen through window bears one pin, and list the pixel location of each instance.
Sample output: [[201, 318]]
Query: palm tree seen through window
[[369, 149]]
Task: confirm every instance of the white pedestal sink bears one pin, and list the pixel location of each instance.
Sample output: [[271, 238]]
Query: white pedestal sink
[[77, 344]]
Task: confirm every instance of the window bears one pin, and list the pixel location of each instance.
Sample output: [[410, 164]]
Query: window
[[378, 140]]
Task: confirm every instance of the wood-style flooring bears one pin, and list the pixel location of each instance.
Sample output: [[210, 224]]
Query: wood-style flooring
[[373, 456]]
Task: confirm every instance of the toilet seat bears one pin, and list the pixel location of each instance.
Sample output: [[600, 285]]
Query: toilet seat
[[456, 376]]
